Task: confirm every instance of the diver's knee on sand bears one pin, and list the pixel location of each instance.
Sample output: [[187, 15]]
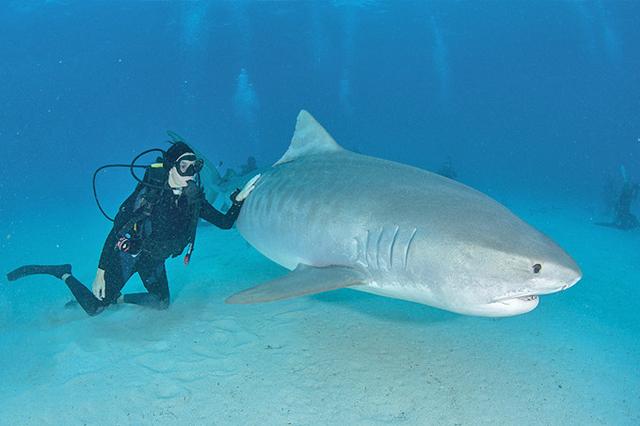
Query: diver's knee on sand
[[89, 303]]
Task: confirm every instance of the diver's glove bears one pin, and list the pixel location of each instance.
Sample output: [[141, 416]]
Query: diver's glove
[[248, 187], [99, 284], [233, 196]]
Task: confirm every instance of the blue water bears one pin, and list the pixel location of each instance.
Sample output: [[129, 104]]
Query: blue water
[[536, 105]]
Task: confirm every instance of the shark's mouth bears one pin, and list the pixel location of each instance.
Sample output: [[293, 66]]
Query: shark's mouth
[[508, 306], [528, 299], [520, 302]]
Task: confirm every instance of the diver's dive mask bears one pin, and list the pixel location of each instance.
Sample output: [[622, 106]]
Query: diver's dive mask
[[188, 165]]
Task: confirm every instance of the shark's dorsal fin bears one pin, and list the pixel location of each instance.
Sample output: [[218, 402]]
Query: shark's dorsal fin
[[309, 138]]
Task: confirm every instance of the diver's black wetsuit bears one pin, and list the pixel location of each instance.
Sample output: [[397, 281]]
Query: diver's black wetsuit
[[159, 225]]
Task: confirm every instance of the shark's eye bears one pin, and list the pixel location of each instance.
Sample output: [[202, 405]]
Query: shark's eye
[[536, 268]]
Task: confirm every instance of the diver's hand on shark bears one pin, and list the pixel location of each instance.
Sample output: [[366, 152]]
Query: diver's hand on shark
[[99, 284], [249, 186]]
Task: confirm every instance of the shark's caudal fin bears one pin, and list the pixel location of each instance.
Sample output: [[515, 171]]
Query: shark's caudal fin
[[309, 138], [304, 280]]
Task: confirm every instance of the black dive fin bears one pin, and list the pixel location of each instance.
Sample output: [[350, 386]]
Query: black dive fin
[[56, 270], [304, 280]]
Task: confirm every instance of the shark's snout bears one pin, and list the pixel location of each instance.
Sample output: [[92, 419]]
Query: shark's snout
[[575, 276], [557, 270], [557, 277], [568, 273]]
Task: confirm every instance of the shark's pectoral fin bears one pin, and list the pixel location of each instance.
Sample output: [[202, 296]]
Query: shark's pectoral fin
[[304, 280]]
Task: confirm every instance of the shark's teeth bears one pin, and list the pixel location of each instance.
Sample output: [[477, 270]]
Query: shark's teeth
[[525, 297], [528, 298]]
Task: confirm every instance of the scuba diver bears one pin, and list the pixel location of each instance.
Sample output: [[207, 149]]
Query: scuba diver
[[157, 221], [624, 219]]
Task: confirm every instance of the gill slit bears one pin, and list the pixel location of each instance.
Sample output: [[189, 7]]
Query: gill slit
[[408, 247], [378, 247], [366, 250], [393, 243]]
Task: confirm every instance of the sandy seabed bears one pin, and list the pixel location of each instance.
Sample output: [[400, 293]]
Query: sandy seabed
[[338, 358]]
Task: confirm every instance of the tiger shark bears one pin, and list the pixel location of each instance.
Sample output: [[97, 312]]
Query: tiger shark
[[338, 219]]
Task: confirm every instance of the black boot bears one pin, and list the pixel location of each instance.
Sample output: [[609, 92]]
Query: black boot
[[56, 270]]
